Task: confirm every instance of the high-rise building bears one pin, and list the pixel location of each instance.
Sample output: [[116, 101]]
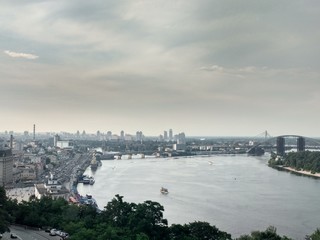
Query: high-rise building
[[34, 132], [181, 142], [109, 135], [160, 137], [122, 135], [26, 134], [165, 135], [56, 138], [139, 136], [181, 138], [170, 135], [6, 165]]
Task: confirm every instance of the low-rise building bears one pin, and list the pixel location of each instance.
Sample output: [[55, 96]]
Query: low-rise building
[[179, 147], [27, 172], [51, 188]]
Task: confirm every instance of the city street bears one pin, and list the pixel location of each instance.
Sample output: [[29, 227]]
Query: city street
[[27, 234]]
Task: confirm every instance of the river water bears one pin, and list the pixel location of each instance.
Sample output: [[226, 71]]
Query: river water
[[237, 194]]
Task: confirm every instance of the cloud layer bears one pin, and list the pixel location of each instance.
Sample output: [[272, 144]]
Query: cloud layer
[[203, 67]]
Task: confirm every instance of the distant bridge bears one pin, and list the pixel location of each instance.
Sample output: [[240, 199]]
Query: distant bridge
[[279, 144]]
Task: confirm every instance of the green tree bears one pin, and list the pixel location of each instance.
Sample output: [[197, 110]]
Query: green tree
[[203, 230], [117, 212], [269, 234], [142, 236], [4, 216], [315, 235], [148, 218], [179, 232], [197, 231]]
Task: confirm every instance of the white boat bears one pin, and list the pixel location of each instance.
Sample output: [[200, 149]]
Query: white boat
[[87, 180], [164, 190]]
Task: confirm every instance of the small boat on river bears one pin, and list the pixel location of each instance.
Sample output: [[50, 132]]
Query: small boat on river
[[86, 180], [164, 190]]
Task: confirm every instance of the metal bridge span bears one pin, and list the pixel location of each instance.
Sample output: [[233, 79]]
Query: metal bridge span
[[279, 144]]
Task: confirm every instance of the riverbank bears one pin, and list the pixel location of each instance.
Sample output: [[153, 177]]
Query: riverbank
[[300, 172], [212, 189]]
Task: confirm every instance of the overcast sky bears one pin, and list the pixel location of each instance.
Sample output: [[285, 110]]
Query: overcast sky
[[203, 67]]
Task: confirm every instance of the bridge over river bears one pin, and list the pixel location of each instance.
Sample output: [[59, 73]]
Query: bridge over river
[[281, 144]]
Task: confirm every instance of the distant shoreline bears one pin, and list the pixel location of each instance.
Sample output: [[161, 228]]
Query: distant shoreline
[[300, 172]]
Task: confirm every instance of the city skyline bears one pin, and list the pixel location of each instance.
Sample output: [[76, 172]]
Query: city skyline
[[107, 133], [208, 68]]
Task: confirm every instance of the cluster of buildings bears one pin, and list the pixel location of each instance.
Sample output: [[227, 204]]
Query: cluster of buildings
[[52, 187], [24, 159], [28, 166]]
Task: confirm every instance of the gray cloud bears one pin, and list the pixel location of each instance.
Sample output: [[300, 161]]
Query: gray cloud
[[204, 67]]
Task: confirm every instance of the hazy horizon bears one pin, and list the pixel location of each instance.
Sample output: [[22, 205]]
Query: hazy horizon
[[205, 137], [206, 68]]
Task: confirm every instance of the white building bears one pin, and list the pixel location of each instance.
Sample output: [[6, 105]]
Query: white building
[[179, 147], [52, 188], [62, 144]]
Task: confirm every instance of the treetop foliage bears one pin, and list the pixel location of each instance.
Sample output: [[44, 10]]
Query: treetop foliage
[[119, 220], [306, 160]]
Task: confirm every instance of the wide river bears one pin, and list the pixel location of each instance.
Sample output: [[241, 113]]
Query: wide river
[[237, 194]]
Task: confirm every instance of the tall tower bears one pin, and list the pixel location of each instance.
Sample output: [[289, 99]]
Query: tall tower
[[165, 135], [170, 135], [109, 135], [56, 138], [34, 132], [11, 141], [122, 135]]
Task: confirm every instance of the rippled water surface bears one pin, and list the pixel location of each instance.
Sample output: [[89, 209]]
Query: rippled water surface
[[238, 193]]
